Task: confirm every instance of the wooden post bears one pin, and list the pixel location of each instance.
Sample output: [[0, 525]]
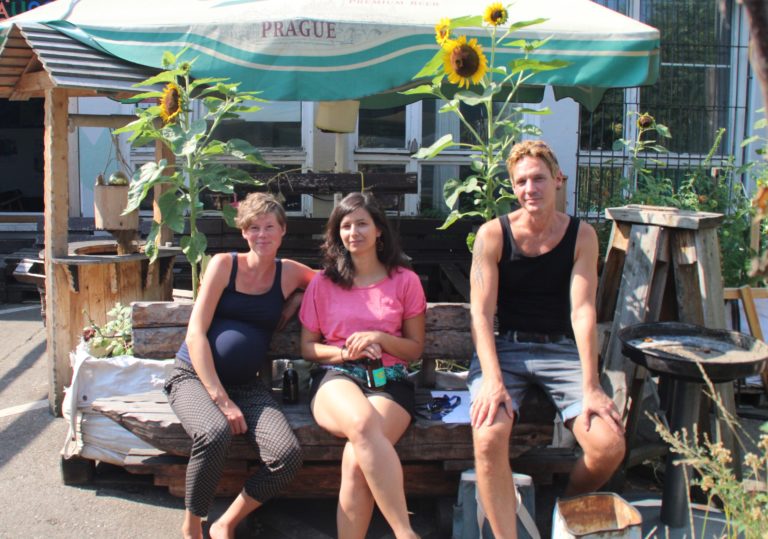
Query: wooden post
[[56, 149], [166, 234]]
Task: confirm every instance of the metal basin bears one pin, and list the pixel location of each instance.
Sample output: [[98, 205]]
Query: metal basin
[[676, 349]]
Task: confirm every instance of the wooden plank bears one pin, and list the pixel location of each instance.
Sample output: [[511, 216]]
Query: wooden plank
[[162, 152], [344, 182], [664, 216], [735, 293], [610, 278], [459, 280], [56, 197], [632, 305]]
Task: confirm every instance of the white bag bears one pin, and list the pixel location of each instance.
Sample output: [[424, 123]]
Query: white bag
[[96, 436]]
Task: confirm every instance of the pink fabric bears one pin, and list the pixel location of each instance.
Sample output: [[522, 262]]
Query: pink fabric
[[337, 313]]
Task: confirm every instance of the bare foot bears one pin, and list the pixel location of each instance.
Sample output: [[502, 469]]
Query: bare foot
[[221, 531], [191, 531]]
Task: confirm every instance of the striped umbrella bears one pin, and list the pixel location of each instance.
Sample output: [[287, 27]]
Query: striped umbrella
[[347, 49]]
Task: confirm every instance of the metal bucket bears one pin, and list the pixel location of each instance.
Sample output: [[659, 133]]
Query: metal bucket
[[601, 515]]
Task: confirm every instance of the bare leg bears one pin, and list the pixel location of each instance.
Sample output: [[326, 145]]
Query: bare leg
[[192, 527], [603, 453], [342, 409], [494, 476], [355, 509], [241, 507]]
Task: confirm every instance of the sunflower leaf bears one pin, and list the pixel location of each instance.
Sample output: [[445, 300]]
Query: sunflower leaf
[[194, 247], [150, 247], [228, 212], [171, 212], [421, 89], [452, 218], [446, 141], [467, 21], [430, 67], [244, 150], [164, 77], [524, 24], [205, 81]]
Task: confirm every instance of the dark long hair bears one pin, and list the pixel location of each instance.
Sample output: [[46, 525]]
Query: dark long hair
[[337, 261]]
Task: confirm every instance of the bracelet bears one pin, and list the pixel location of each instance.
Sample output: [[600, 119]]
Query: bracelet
[[341, 352]]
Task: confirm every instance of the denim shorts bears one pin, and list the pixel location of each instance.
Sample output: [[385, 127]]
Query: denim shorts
[[554, 367]]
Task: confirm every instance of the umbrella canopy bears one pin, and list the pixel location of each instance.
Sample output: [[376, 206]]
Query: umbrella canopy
[[305, 50]]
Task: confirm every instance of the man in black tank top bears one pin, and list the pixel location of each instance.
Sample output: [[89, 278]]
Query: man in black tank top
[[538, 268]]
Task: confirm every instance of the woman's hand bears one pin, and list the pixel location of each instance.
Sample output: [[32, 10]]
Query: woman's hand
[[233, 414], [363, 344]]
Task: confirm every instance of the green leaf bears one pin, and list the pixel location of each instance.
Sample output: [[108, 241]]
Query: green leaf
[[446, 141], [663, 131], [172, 210], [150, 247], [229, 213], [524, 24], [164, 77], [242, 149], [427, 89], [536, 66], [194, 247], [452, 218], [205, 81], [750, 140], [619, 145], [431, 67], [149, 175], [467, 21]]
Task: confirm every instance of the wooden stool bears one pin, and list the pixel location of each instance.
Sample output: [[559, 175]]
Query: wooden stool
[[662, 263]]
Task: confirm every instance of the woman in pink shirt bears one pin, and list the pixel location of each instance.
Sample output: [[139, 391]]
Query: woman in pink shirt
[[365, 305]]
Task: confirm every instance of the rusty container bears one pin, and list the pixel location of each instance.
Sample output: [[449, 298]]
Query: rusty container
[[601, 515]]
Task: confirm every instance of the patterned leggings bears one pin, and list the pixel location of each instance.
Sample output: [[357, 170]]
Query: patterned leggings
[[268, 431]]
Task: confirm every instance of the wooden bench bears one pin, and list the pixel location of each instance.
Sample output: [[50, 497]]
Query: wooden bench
[[433, 453]]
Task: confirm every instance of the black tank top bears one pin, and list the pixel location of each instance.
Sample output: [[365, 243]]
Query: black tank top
[[534, 291], [241, 329]]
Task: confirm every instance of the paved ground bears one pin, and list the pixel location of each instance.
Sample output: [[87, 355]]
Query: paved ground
[[119, 505]]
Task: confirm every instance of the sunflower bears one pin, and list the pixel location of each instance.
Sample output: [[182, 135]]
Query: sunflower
[[170, 103], [495, 14], [465, 62], [443, 31]]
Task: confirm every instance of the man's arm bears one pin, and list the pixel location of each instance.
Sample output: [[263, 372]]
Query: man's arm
[[584, 323], [484, 283]]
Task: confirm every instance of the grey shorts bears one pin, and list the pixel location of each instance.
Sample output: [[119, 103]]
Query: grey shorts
[[555, 367]]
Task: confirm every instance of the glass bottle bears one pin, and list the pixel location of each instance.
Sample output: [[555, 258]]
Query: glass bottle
[[375, 376], [290, 384]]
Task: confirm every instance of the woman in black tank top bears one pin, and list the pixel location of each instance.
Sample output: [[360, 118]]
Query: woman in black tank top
[[215, 390]]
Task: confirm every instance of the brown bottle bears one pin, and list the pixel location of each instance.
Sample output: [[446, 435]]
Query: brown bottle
[[375, 375]]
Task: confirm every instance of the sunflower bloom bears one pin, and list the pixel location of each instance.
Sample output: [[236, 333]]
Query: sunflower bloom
[[495, 14], [465, 62], [443, 31], [170, 103]]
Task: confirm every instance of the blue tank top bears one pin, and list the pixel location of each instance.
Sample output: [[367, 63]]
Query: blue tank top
[[241, 329], [535, 291]]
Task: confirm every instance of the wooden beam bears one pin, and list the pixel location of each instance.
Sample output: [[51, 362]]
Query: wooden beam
[[112, 121], [162, 152], [56, 196], [344, 182], [33, 83]]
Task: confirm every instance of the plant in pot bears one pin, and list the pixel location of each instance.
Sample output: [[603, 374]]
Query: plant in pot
[[110, 198], [198, 167]]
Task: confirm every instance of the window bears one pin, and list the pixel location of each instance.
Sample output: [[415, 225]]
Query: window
[[702, 87], [276, 125], [381, 128]]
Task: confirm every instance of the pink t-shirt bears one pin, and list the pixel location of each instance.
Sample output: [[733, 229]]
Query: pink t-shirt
[[337, 313]]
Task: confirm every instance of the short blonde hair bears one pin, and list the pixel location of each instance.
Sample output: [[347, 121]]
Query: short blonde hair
[[258, 204], [533, 148]]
